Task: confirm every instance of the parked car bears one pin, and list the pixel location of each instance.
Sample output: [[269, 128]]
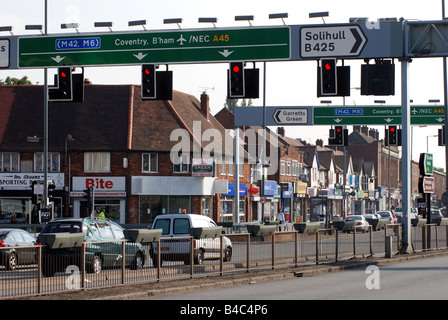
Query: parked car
[[17, 248], [388, 215], [360, 222], [176, 226], [103, 246]]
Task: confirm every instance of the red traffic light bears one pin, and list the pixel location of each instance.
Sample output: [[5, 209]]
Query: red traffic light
[[147, 71], [63, 75], [327, 66], [392, 129], [236, 69]]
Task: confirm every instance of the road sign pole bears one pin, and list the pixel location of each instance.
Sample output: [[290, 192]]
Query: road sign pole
[[406, 159]]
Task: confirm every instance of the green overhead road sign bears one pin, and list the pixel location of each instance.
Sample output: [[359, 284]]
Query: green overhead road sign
[[377, 115], [182, 46]]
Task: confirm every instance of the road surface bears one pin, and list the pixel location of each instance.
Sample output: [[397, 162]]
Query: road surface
[[417, 279]]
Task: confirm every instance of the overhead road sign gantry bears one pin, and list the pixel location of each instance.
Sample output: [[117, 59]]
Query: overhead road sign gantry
[[182, 46]]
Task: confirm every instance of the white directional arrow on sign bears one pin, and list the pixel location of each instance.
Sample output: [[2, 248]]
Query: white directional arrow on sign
[[332, 41]]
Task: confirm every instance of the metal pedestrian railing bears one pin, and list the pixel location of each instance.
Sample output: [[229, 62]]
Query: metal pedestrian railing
[[39, 270]]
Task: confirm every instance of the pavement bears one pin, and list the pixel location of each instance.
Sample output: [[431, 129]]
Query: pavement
[[167, 287]]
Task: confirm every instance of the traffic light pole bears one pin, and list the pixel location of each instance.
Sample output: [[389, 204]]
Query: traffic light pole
[[45, 164], [406, 246]]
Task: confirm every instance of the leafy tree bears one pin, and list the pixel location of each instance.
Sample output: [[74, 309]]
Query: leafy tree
[[15, 81], [232, 103]]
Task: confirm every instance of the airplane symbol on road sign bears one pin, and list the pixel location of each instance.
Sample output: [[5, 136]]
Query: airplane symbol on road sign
[[181, 40]]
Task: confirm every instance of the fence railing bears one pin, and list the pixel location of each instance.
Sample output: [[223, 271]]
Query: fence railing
[[40, 270]]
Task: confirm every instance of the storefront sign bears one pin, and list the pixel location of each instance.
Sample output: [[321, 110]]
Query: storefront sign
[[286, 190], [270, 188], [231, 190], [202, 167], [23, 181], [102, 186]]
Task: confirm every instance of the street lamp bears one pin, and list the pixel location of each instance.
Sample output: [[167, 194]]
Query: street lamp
[[427, 146]]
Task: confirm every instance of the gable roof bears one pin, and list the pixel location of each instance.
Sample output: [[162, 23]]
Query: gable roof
[[111, 118]]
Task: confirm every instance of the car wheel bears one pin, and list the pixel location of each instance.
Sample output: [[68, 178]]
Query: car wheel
[[227, 254], [138, 262], [11, 262], [96, 265]]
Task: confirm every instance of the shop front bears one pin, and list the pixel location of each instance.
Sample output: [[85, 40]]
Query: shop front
[[299, 201], [286, 200], [109, 194], [168, 194], [17, 193], [227, 207]]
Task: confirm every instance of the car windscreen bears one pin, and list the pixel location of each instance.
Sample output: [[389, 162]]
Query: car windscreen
[[58, 227], [163, 224]]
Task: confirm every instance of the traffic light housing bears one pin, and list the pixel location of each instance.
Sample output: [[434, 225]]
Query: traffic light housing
[[236, 80], [51, 192], [88, 196], [156, 85], [441, 136], [391, 136], [328, 77], [378, 79], [149, 84], [63, 90], [338, 136]]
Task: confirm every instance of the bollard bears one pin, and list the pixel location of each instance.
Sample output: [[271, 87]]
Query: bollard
[[389, 247]]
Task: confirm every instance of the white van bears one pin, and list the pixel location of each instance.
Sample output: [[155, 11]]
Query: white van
[[176, 226]]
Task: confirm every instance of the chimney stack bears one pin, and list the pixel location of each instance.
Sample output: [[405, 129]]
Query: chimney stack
[[205, 104]]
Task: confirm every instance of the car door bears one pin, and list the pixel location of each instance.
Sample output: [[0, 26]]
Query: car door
[[111, 249], [30, 249]]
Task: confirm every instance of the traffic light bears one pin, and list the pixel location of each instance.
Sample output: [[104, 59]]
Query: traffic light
[[378, 79], [63, 90], [236, 80], [337, 136], [88, 196], [51, 190], [442, 136], [149, 84], [328, 77], [392, 135], [156, 85]]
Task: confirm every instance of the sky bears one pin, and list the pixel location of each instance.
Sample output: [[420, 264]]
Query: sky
[[426, 75]]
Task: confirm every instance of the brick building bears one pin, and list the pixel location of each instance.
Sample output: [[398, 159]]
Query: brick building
[[140, 156]]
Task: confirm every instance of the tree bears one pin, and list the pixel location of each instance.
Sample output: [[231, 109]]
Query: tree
[[232, 103], [15, 81]]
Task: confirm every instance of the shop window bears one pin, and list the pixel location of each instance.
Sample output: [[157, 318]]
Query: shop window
[[150, 162], [97, 162], [9, 161]]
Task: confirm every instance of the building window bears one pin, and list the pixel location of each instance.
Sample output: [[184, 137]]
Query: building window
[[54, 162], [288, 168], [150, 162], [183, 164], [97, 162], [282, 167], [294, 167], [9, 162]]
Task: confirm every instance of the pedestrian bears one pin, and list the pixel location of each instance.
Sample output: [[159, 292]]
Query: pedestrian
[[281, 217], [102, 215]]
